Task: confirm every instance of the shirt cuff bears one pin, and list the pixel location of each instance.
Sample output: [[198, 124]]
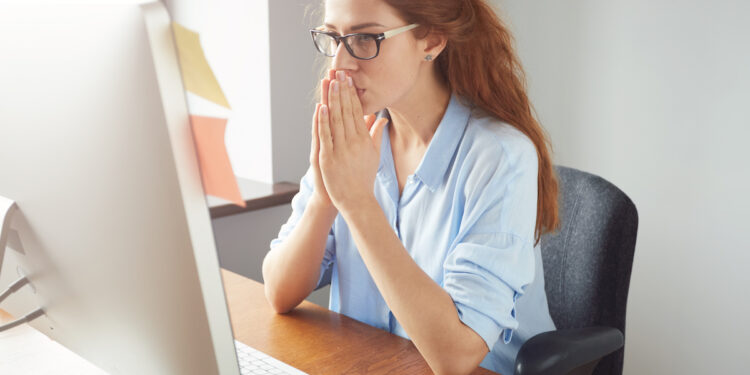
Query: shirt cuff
[[484, 326]]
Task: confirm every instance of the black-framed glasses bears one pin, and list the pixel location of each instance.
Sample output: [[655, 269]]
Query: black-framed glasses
[[363, 46]]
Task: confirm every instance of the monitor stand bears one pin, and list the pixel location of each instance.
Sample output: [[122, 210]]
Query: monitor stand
[[7, 208]]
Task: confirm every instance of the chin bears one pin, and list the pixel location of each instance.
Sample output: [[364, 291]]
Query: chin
[[368, 108]]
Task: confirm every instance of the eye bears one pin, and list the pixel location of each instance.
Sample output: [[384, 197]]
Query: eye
[[363, 39]]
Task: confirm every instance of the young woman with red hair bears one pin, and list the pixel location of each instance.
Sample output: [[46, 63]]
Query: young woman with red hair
[[430, 183]]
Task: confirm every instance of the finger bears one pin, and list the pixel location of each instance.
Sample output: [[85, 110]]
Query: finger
[[346, 107], [324, 90], [334, 113], [376, 132], [324, 131], [369, 120], [331, 77], [356, 107], [315, 145]]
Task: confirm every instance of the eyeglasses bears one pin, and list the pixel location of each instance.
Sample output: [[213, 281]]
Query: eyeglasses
[[363, 46]]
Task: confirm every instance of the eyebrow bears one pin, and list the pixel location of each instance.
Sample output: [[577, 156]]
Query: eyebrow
[[357, 27]]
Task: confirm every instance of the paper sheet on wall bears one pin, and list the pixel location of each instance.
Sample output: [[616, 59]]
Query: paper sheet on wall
[[196, 73], [216, 169]]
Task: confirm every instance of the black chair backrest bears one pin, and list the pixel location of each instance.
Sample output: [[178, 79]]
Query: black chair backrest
[[587, 262]]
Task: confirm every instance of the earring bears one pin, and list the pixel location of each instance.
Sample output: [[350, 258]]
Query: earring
[[428, 58]]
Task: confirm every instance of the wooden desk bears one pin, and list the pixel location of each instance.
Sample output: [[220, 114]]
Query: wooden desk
[[317, 340], [313, 339]]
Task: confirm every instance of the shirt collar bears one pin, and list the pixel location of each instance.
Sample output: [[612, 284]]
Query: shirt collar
[[443, 144]]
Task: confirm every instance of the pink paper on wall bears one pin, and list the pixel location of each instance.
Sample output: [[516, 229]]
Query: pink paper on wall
[[216, 170]]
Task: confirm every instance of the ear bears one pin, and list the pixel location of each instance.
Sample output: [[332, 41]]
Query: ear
[[433, 44]]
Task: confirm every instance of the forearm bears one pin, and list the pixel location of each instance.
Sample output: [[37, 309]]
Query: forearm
[[291, 269], [424, 309]]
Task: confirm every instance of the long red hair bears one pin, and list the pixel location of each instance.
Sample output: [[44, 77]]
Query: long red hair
[[479, 63]]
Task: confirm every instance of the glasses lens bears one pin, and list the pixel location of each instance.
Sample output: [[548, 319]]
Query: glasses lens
[[363, 46], [325, 44]]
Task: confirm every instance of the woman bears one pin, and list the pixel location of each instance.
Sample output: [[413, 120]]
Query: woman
[[429, 214]]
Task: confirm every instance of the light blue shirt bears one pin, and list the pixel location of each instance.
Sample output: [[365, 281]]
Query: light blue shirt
[[466, 216]]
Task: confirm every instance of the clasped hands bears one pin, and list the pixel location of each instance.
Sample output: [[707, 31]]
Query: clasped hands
[[345, 150]]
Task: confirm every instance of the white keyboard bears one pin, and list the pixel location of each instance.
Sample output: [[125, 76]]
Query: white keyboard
[[255, 362]]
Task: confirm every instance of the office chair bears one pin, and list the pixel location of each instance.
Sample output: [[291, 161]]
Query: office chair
[[587, 265]]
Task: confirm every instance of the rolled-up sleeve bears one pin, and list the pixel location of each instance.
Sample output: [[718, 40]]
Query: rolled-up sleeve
[[299, 202], [491, 259]]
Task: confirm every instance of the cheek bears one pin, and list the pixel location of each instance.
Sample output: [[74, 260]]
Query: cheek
[[395, 84], [390, 80]]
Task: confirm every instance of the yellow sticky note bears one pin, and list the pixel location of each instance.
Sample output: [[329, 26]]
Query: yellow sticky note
[[216, 170], [196, 73]]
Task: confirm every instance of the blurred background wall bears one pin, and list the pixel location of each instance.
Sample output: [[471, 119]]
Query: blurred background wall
[[653, 96], [262, 55]]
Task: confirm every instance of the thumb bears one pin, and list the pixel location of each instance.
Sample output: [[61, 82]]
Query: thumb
[[376, 132], [369, 120]]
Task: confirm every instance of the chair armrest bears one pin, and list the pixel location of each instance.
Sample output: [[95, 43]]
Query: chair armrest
[[560, 352]]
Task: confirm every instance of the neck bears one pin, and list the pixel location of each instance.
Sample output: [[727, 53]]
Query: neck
[[415, 117]]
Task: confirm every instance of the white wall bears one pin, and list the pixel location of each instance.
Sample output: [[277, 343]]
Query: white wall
[[653, 96], [235, 39], [262, 56], [294, 76]]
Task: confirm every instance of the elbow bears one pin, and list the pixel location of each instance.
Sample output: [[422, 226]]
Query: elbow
[[281, 309], [271, 291], [453, 367], [278, 304], [459, 362], [283, 294], [281, 298]]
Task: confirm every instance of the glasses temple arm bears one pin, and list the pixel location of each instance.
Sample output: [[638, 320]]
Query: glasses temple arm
[[394, 32]]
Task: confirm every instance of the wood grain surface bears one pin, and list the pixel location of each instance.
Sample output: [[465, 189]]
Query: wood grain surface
[[313, 339], [317, 340]]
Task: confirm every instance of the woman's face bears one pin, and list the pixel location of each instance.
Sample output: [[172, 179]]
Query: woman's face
[[391, 75]]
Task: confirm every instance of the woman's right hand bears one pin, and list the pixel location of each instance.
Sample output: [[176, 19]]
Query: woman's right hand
[[320, 194]]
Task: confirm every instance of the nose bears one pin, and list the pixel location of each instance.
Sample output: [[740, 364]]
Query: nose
[[343, 60]]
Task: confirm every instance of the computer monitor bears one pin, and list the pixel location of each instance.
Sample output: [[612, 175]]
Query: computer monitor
[[112, 227]]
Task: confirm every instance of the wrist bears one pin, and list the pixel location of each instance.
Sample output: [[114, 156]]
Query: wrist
[[363, 206], [322, 205]]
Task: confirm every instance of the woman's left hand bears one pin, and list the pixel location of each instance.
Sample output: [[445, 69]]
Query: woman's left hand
[[349, 153]]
